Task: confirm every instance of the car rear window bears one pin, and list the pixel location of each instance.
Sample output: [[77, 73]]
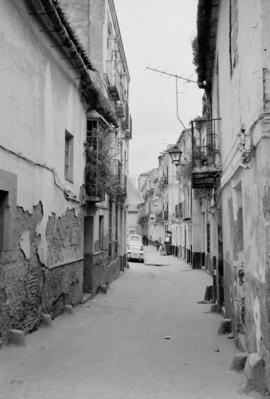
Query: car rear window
[[134, 237]]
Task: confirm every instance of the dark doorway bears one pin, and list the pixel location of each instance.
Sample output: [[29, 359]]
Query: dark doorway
[[88, 253], [3, 218]]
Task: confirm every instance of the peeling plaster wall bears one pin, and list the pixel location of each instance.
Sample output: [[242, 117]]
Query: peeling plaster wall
[[257, 251], [243, 97], [39, 101], [248, 248]]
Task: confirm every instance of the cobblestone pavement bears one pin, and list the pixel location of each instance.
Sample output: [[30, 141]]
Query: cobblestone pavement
[[147, 338]]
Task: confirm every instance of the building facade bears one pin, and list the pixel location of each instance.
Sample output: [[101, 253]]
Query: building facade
[[231, 54], [48, 96], [105, 231], [166, 214]]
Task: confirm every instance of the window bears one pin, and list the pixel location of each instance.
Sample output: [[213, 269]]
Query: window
[[68, 156], [92, 126], [101, 232], [92, 134]]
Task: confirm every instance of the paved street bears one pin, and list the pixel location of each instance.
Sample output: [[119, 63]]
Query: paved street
[[114, 347]]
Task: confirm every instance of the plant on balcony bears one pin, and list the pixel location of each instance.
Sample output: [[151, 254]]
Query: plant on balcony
[[101, 174]]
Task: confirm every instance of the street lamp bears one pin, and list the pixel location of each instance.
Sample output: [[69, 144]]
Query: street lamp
[[175, 154]]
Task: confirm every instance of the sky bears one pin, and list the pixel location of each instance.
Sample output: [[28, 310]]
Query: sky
[[158, 33]]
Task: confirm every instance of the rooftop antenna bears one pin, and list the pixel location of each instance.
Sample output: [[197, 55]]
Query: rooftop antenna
[[174, 75]]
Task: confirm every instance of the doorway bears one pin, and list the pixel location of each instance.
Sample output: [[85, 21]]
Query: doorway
[[88, 254], [3, 218]]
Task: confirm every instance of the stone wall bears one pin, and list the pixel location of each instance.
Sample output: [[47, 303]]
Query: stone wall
[[27, 286]]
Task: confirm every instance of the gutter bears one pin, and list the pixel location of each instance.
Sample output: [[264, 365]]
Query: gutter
[[53, 19]]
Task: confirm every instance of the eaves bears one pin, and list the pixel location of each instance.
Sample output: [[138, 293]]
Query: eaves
[[207, 22], [53, 20]]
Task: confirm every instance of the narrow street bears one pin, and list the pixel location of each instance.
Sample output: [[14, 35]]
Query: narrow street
[[148, 337]]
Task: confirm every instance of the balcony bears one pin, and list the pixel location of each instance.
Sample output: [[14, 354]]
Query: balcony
[[95, 192], [94, 185], [129, 130], [125, 121], [114, 80], [117, 184], [205, 155], [119, 109]]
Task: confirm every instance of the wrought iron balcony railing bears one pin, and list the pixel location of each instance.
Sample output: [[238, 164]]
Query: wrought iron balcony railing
[[119, 109], [125, 121], [205, 155], [94, 191], [114, 80], [204, 148], [129, 130], [94, 185]]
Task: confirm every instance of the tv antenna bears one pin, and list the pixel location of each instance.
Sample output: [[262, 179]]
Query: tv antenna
[[174, 75]]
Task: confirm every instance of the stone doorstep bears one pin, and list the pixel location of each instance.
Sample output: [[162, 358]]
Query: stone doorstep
[[255, 372], [46, 320], [16, 337], [214, 308], [86, 297], [68, 309], [239, 361], [225, 327]]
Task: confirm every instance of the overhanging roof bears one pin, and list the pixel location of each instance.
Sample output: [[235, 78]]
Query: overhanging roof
[[51, 16], [93, 114], [207, 20]]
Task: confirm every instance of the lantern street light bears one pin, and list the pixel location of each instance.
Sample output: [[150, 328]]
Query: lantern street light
[[175, 154]]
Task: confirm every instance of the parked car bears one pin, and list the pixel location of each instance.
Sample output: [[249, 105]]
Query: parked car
[[135, 251]]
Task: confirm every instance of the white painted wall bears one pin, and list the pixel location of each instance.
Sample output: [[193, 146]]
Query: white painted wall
[[39, 100], [244, 96], [240, 96]]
